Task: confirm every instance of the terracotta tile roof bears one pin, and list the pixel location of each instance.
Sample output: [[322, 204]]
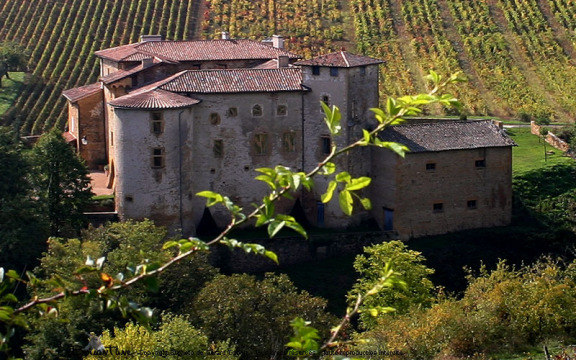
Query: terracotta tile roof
[[448, 135], [235, 81], [153, 99], [68, 136], [121, 74], [81, 92], [340, 59], [200, 50]]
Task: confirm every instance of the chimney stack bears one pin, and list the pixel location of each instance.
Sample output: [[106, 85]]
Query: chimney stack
[[278, 41], [225, 35], [147, 62], [283, 61], [144, 38]]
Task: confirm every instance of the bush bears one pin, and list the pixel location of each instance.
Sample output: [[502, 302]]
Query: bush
[[505, 310], [407, 263], [255, 315], [174, 337]]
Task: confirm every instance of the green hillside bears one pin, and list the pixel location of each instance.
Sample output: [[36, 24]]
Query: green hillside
[[519, 56]]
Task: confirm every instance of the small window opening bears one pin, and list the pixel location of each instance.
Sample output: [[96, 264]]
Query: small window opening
[[438, 207], [257, 110]]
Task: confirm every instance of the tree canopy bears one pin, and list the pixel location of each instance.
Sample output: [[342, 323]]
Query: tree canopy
[[13, 57], [61, 181]]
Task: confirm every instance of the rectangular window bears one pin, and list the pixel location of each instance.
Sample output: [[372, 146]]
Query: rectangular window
[[157, 122], [333, 71], [438, 207], [111, 138], [362, 70], [260, 144], [431, 167], [315, 70], [326, 99], [218, 148], [326, 144], [471, 204], [480, 164], [157, 158], [288, 142]]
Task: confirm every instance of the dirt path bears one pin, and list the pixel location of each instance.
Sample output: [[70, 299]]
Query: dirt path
[[465, 61], [404, 43]]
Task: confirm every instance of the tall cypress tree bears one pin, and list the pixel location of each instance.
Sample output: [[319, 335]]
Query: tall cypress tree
[[61, 182], [23, 230]]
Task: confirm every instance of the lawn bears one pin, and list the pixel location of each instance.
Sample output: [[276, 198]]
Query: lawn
[[531, 152], [10, 90]]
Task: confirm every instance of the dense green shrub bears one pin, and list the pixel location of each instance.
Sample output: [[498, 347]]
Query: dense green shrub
[[173, 339], [256, 314], [506, 310], [411, 270], [123, 245]]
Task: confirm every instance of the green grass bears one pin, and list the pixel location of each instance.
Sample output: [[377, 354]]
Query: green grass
[[530, 152], [10, 90]]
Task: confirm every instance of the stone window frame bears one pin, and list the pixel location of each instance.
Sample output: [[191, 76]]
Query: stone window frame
[[260, 144], [257, 110], [158, 157], [156, 122]]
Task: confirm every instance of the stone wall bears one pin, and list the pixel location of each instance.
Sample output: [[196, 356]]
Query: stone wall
[[551, 138], [454, 195], [295, 250]]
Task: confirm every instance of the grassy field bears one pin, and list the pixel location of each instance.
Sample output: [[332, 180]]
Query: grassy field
[[10, 90], [530, 154]]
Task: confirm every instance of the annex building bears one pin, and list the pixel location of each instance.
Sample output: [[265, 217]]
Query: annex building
[[172, 118]]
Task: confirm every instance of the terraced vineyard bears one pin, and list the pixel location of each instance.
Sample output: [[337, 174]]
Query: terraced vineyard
[[518, 55]]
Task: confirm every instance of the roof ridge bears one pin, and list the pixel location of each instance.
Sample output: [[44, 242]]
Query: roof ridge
[[345, 58]]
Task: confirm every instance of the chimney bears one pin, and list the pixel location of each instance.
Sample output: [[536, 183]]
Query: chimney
[[144, 38], [278, 41], [225, 35], [147, 62], [283, 61]]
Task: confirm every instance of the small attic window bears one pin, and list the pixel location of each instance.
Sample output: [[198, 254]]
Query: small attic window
[[315, 70], [333, 71]]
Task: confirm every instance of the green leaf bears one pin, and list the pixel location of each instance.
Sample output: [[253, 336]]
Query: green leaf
[[343, 177], [329, 192], [274, 227], [328, 168], [359, 183], [212, 198], [272, 256], [332, 118], [345, 200], [366, 203], [169, 244]]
